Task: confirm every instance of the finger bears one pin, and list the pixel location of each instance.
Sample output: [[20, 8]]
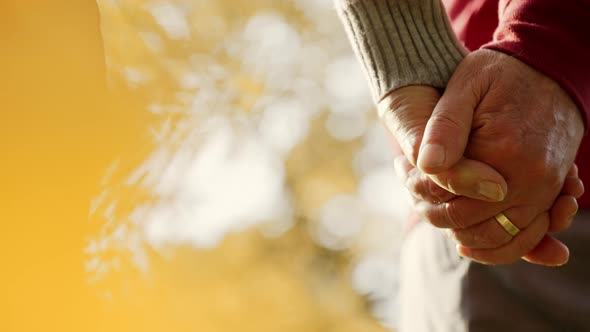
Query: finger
[[489, 234], [396, 149], [459, 213], [565, 207], [549, 252], [573, 171], [563, 211], [405, 113], [422, 188], [573, 186], [485, 235], [448, 128], [473, 179], [518, 247]]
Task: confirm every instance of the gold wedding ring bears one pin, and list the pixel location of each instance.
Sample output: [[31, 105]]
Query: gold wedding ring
[[507, 224]]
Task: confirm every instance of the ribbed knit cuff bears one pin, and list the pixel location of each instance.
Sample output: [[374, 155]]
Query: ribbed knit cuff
[[401, 42]]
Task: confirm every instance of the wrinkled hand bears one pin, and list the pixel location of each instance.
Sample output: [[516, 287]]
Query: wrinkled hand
[[499, 111], [405, 112], [422, 188]]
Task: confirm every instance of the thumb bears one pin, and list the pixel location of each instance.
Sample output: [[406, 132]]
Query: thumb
[[405, 113], [472, 178], [447, 132], [549, 252]]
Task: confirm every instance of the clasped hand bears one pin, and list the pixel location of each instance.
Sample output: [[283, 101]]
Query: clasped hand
[[501, 139]]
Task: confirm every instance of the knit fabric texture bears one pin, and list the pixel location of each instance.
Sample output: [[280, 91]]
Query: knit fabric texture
[[401, 42]]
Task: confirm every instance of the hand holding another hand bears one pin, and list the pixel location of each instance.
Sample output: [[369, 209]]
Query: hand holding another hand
[[498, 119]]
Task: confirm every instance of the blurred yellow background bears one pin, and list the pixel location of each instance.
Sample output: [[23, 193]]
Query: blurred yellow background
[[231, 178]]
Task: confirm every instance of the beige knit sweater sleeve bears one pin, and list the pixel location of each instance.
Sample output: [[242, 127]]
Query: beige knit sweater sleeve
[[401, 42]]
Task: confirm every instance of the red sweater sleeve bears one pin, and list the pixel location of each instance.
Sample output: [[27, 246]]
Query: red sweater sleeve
[[553, 37]]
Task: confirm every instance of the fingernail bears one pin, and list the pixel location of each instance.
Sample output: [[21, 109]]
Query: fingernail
[[432, 155], [491, 190]]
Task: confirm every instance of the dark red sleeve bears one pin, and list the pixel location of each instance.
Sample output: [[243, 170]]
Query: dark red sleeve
[[553, 37]]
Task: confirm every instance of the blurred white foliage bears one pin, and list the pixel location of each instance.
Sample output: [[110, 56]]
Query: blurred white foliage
[[341, 221], [376, 276], [346, 86], [134, 76], [172, 19], [231, 182], [153, 41], [216, 172], [347, 127], [374, 152], [269, 48], [382, 193], [284, 125]]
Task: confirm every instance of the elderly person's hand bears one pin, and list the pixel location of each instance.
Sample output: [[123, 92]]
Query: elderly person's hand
[[405, 112], [501, 112], [424, 189]]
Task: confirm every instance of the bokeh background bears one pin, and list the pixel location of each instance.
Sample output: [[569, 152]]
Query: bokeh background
[[233, 178]]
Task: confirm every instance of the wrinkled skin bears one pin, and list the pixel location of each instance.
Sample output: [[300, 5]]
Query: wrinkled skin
[[498, 120], [423, 189]]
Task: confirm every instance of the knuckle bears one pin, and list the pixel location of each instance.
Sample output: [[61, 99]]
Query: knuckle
[[435, 216], [409, 139], [523, 244], [437, 193], [444, 215], [484, 237], [446, 124], [495, 238], [479, 239], [423, 188], [467, 238], [453, 217], [485, 240], [417, 188]]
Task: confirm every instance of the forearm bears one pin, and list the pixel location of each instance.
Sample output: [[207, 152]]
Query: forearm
[[401, 42]]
